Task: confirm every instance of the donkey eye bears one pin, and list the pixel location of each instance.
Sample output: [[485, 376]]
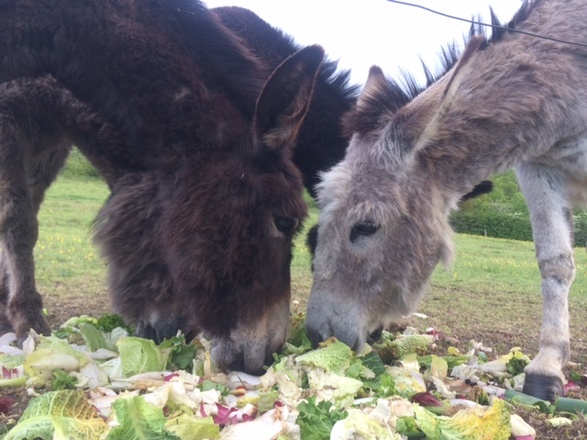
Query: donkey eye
[[284, 225], [364, 229]]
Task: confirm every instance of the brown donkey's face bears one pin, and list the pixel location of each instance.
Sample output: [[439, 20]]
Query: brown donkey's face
[[211, 246], [229, 248]]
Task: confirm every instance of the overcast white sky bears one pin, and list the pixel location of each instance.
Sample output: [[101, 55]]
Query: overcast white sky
[[360, 33]]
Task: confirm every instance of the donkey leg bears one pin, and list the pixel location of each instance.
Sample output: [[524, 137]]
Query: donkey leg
[[5, 325], [552, 227], [18, 235], [30, 158]]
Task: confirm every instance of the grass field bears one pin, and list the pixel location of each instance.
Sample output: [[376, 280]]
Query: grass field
[[490, 294]]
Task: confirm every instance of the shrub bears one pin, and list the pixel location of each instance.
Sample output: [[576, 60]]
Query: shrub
[[78, 167], [503, 213], [493, 223], [580, 219]]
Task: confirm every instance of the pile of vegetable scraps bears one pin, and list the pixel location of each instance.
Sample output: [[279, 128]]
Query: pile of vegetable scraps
[[92, 380]]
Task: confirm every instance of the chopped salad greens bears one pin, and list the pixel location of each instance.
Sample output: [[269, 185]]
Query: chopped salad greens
[[92, 380]]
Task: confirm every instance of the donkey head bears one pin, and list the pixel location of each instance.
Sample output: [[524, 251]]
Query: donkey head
[[383, 223], [204, 245]]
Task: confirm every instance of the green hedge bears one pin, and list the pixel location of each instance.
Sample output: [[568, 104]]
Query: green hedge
[[513, 226], [492, 224], [580, 229], [503, 213], [78, 167]]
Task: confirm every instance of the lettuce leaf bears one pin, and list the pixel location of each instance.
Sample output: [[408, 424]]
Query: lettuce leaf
[[139, 420], [59, 415], [361, 425], [93, 337], [316, 420], [182, 353], [340, 390], [391, 349], [333, 356], [193, 428], [138, 355], [477, 423]]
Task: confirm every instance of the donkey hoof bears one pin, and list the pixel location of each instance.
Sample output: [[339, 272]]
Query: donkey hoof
[[543, 387], [375, 336], [22, 328]]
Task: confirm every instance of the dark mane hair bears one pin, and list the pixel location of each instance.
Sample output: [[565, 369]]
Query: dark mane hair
[[498, 28], [271, 44], [228, 60]]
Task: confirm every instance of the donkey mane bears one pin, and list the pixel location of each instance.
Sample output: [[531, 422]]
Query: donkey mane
[[451, 53], [499, 28], [244, 23], [400, 92], [339, 79]]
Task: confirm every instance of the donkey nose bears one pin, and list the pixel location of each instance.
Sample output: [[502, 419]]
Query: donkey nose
[[237, 364], [315, 335]]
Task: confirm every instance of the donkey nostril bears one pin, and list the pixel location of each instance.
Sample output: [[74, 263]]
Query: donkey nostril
[[238, 363], [314, 336], [375, 336]]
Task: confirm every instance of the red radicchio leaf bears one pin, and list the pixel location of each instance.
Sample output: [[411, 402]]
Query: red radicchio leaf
[[231, 416], [570, 386], [224, 415], [433, 332], [248, 417], [6, 373], [426, 399], [5, 404]]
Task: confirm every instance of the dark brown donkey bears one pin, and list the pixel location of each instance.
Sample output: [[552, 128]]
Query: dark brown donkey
[[195, 144]]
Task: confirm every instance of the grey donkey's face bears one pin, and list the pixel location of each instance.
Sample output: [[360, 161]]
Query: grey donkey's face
[[381, 232]]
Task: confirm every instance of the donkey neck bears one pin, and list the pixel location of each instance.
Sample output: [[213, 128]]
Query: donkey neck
[[513, 102]]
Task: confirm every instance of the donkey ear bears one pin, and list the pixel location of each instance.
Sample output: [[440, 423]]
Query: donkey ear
[[413, 126], [285, 98], [374, 86], [449, 92], [375, 104]]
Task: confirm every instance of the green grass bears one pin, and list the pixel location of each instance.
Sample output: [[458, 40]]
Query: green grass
[[483, 263], [64, 250], [301, 275]]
